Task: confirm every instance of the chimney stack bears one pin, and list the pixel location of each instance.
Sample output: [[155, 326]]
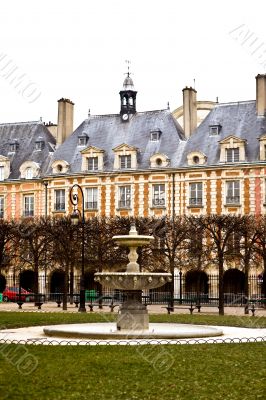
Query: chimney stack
[[189, 110], [261, 95], [65, 120]]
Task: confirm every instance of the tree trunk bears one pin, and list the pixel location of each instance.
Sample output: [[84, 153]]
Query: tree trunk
[[65, 291], [221, 285]]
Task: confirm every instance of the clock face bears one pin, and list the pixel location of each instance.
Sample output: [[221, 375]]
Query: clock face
[[125, 117]]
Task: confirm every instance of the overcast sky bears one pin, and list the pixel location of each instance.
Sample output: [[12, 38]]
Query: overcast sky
[[77, 50]]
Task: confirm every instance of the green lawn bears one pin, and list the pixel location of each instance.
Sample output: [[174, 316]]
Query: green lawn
[[21, 319], [169, 372], [196, 372]]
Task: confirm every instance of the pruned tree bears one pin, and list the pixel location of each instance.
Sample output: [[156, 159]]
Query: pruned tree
[[219, 230]]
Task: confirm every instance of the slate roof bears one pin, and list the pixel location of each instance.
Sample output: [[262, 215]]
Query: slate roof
[[26, 133], [108, 131], [237, 119]]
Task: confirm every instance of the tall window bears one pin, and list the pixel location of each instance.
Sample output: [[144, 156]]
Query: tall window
[[158, 195], [1, 206], [60, 204], [29, 173], [125, 162], [92, 163], [28, 205], [232, 155], [2, 177], [124, 197], [232, 192], [195, 194], [91, 199]]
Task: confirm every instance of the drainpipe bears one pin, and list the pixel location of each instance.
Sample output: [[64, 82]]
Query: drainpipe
[[46, 198], [173, 196]]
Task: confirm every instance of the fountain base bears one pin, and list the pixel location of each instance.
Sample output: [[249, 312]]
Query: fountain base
[[133, 315]]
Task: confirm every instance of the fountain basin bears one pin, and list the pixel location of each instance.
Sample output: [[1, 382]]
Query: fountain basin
[[108, 331], [132, 240], [132, 280]]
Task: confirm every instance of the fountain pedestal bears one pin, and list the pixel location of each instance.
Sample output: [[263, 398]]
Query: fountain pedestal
[[133, 315]]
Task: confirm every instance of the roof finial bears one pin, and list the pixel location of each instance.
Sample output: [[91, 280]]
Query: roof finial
[[128, 63], [194, 80], [89, 113], [168, 105]]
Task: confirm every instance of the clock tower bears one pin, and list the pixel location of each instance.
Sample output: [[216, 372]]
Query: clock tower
[[127, 98]]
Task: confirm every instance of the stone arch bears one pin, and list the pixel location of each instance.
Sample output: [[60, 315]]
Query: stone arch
[[2, 283], [234, 281], [26, 279], [196, 282], [57, 281]]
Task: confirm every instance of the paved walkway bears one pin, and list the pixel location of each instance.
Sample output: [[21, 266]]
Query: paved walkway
[[153, 309]]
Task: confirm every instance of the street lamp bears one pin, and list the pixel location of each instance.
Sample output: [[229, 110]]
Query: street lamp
[[75, 217]]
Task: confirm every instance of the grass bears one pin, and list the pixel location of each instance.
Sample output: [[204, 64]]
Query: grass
[[22, 319], [188, 372], [169, 372]]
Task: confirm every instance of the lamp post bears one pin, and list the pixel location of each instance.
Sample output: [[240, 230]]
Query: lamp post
[[75, 216]]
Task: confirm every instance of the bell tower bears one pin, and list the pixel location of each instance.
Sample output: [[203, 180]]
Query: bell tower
[[127, 98]]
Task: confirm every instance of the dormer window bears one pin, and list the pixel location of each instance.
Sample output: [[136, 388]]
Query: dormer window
[[39, 144], [214, 130], [29, 173], [125, 161], [196, 158], [60, 167], [93, 164], [155, 135], [232, 155], [83, 139], [2, 170], [13, 146], [159, 160]]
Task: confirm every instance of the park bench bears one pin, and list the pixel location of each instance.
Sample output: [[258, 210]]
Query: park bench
[[190, 307], [100, 304]]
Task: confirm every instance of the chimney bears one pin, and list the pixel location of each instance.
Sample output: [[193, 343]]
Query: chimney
[[65, 120], [261, 95], [189, 110]]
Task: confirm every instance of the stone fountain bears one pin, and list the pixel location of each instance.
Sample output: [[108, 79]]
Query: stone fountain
[[133, 315], [133, 318]]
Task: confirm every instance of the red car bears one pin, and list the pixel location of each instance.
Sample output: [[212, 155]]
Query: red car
[[12, 294]]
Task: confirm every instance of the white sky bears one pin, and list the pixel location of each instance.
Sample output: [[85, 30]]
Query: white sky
[[77, 50]]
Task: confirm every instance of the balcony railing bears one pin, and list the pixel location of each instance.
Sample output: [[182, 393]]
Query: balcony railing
[[158, 202], [28, 213], [91, 205], [124, 204], [232, 199], [195, 201], [59, 207]]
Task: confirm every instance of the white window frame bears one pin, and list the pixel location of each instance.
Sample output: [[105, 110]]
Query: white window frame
[[195, 193], [158, 195], [28, 173], [59, 200], [124, 196], [2, 173], [125, 161], [28, 205], [233, 154], [232, 192], [94, 163], [91, 198]]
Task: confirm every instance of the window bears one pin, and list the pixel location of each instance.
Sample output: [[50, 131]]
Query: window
[[92, 163], [125, 162], [29, 173], [1, 206], [28, 206], [196, 160], [59, 200], [124, 200], [195, 194], [155, 136], [232, 155], [2, 173], [233, 192], [13, 147], [39, 143], [83, 141], [233, 243], [158, 195], [91, 200], [214, 130]]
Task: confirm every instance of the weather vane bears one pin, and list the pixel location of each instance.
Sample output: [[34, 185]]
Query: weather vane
[[128, 63]]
